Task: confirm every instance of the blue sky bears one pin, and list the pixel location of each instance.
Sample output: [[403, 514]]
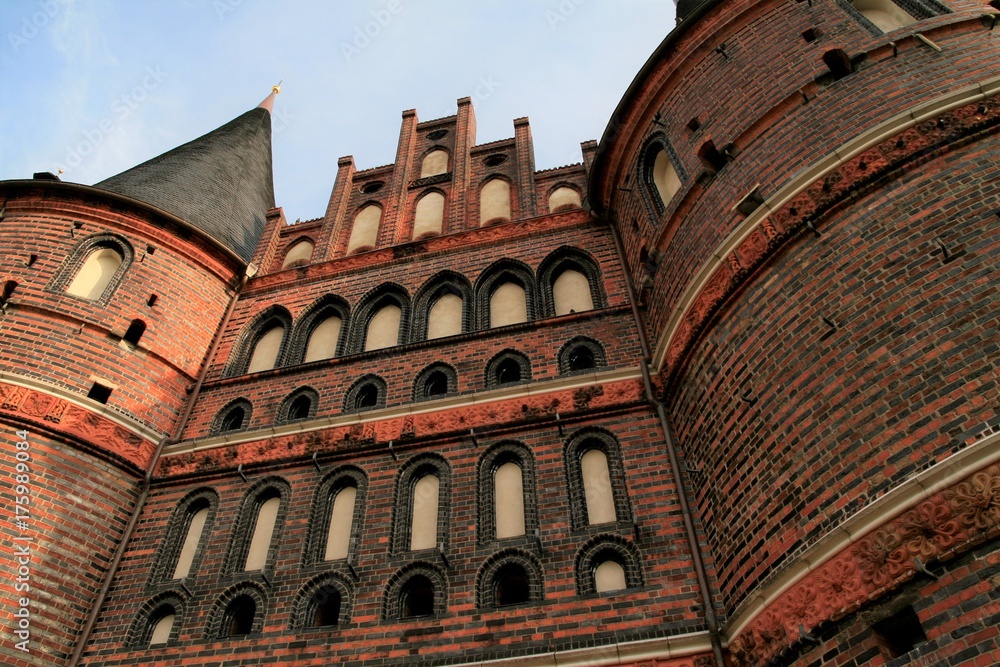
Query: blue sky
[[96, 87]]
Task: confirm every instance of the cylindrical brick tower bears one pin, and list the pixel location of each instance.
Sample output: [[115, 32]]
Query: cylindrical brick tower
[[808, 194], [112, 296]]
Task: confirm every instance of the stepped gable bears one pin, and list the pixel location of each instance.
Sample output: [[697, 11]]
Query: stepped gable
[[221, 182]]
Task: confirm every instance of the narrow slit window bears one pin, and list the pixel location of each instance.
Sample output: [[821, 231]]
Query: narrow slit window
[[263, 531], [338, 537], [424, 520], [195, 528]]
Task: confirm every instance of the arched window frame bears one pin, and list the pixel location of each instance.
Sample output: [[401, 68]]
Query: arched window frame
[[219, 617], [510, 200], [653, 146], [486, 578], [304, 608], [286, 405], [326, 307], [444, 213], [351, 397], [577, 444], [445, 282], [918, 9], [349, 231], [422, 377], [448, 167], [607, 547], [563, 207], [176, 532], [288, 248], [322, 508], [392, 602], [246, 522], [151, 611], [494, 457], [402, 515], [78, 256], [563, 259], [370, 304], [246, 343], [492, 381], [220, 416], [576, 343], [500, 272]]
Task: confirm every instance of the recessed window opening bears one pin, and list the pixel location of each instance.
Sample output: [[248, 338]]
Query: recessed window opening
[[508, 371], [233, 421], [32, 258], [8, 289], [99, 393], [239, 617], [710, 156], [885, 14], [367, 397], [162, 624], [96, 273], [373, 186], [597, 488], [435, 162], [338, 536], [665, 177], [838, 62], [581, 359], [263, 531], [134, 332], [511, 585], [437, 134], [327, 607], [323, 340], [900, 633], [609, 576], [195, 528], [299, 254], [418, 597], [424, 520], [265, 351], [811, 35], [437, 384], [299, 409]]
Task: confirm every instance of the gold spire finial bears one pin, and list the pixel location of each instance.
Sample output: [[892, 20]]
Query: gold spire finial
[[276, 89]]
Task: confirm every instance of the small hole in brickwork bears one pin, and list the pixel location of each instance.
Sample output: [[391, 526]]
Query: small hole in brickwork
[[900, 633], [8, 289], [99, 393], [711, 157], [437, 134], [838, 62], [495, 159], [32, 258], [374, 186], [811, 35], [151, 301], [694, 124], [150, 250], [134, 332], [995, 4]]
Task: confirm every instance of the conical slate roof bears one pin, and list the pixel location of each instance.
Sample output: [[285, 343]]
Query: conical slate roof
[[220, 183]]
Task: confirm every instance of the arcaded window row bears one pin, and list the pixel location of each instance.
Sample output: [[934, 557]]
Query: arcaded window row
[[508, 292], [506, 368], [508, 519]]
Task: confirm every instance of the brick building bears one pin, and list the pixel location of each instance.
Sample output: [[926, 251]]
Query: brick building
[[725, 392]]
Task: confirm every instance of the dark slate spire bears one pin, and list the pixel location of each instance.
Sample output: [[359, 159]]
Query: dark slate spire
[[220, 183]]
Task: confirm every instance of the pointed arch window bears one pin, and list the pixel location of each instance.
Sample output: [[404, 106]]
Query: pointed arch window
[[298, 255], [420, 513], [257, 530], [323, 340], [571, 293], [494, 202], [508, 305], [442, 307], [428, 218], [570, 282], [364, 232], [445, 316], [265, 351], [563, 198], [383, 328]]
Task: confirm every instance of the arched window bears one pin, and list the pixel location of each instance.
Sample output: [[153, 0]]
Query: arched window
[[383, 328], [235, 416], [570, 282], [338, 536], [428, 218], [364, 233], [157, 622], [265, 352], [665, 177], [323, 340], [323, 602], [596, 479], [192, 540], [420, 511], [435, 162], [162, 627], [298, 255], [96, 274], [660, 173], [607, 564], [508, 305], [239, 618], [417, 591], [509, 577], [299, 405], [337, 513], [442, 307], [183, 541], [257, 530], [367, 393], [581, 354], [882, 16], [506, 498], [564, 198], [506, 368], [435, 381], [494, 202], [238, 612]]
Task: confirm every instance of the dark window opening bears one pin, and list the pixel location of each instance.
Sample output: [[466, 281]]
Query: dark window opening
[[239, 617], [694, 124], [437, 134], [495, 159], [900, 633], [32, 258], [8, 289], [367, 397], [99, 393], [418, 597], [436, 385], [812, 34], [581, 359], [299, 409], [838, 62], [233, 421], [508, 371], [373, 186], [995, 4], [711, 157], [134, 332], [326, 603], [511, 585]]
